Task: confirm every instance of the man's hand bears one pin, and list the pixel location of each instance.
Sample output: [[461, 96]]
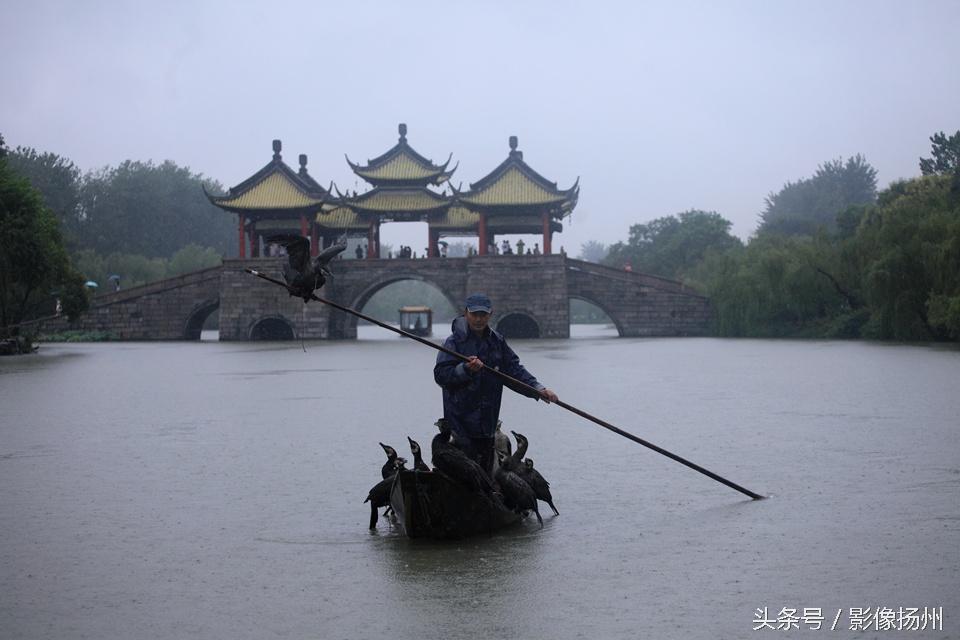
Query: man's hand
[[548, 396], [474, 364]]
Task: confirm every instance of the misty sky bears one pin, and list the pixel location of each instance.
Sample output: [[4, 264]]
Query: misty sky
[[657, 107]]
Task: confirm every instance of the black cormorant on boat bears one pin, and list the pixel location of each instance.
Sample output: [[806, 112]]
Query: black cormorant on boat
[[303, 275], [522, 444], [394, 462], [517, 494], [538, 483], [379, 496], [456, 464], [418, 463]]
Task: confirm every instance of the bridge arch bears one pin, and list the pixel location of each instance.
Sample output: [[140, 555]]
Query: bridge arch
[[617, 322], [364, 296], [518, 324], [273, 328], [198, 316]]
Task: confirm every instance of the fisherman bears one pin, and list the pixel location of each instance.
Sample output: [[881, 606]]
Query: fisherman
[[471, 395]]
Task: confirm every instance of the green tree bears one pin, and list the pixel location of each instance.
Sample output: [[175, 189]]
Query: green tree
[[34, 267], [946, 155], [911, 276], [769, 288], [593, 251], [803, 207], [192, 257], [59, 182], [673, 245], [151, 210]]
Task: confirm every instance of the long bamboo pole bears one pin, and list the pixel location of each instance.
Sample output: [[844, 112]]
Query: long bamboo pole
[[517, 383]]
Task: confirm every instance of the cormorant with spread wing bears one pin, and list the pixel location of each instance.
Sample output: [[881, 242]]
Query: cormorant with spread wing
[[303, 275]]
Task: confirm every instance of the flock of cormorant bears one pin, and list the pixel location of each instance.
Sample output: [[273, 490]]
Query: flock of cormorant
[[515, 485]]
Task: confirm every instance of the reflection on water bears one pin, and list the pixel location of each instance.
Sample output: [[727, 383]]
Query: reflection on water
[[214, 490]]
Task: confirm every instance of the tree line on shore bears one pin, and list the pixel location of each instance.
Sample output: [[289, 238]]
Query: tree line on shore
[[65, 232], [831, 257]]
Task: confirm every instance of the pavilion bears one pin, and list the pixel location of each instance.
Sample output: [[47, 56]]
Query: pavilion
[[511, 199]]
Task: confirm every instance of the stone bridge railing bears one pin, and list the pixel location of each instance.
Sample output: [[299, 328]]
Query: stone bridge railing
[[170, 309], [640, 304]]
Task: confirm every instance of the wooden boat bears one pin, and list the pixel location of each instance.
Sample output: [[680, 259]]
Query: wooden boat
[[428, 504], [417, 320]]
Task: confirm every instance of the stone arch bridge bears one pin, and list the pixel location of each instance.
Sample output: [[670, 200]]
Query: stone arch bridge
[[531, 292]]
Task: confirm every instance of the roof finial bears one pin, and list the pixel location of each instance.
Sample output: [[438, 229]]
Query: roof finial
[[276, 149], [303, 163], [403, 132], [513, 148]]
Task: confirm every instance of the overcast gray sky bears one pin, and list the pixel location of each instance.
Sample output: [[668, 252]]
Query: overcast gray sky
[[658, 107]]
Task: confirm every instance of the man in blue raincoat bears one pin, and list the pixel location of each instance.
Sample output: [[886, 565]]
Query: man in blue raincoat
[[471, 396]]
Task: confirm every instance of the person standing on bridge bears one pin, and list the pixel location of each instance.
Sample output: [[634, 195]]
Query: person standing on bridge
[[471, 395]]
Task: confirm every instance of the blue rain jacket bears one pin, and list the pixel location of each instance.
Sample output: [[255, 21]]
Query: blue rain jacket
[[471, 401]]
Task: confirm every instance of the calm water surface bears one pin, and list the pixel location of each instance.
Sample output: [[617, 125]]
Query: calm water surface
[[214, 490]]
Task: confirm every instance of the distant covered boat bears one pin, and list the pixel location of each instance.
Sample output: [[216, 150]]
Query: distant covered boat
[[417, 320], [428, 504]]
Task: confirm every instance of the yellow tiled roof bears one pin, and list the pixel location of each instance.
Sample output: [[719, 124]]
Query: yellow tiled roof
[[393, 200], [400, 167], [342, 218], [276, 191], [512, 188], [456, 218]]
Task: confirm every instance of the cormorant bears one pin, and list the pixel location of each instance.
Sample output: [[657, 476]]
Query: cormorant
[[379, 496], [418, 463], [456, 464], [538, 483], [393, 464], [522, 444], [517, 494], [303, 275]]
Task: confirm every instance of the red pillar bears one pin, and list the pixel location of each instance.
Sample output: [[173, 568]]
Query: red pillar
[[254, 241], [243, 245], [482, 235], [303, 226], [433, 236], [371, 240], [546, 234], [314, 240]]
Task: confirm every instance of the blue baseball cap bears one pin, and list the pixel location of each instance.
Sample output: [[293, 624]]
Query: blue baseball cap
[[478, 302]]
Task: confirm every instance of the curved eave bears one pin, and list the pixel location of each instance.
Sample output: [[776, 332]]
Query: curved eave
[[398, 210], [372, 172], [342, 219], [275, 192], [226, 203], [455, 219], [514, 189], [268, 210], [387, 200], [435, 179]]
